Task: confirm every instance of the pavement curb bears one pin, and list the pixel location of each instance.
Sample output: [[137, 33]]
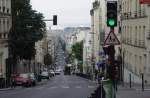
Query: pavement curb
[[141, 89], [5, 89], [42, 82]]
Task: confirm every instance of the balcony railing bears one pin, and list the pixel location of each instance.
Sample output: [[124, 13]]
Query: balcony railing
[[144, 13], [133, 15], [142, 43], [134, 43]]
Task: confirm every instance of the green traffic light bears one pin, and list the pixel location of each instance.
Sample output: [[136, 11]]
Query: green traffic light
[[111, 22]]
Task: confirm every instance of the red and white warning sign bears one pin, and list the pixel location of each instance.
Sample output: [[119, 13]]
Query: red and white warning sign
[[111, 39]]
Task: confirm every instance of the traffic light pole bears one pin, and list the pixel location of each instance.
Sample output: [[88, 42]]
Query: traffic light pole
[[112, 23], [112, 66], [54, 20]]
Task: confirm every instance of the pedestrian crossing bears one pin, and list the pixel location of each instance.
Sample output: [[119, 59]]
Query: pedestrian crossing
[[78, 87], [63, 87]]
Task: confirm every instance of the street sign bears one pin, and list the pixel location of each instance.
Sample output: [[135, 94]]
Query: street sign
[[144, 1], [111, 39]]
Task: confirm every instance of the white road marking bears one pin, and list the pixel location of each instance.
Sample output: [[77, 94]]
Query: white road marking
[[53, 87], [65, 86], [78, 87]]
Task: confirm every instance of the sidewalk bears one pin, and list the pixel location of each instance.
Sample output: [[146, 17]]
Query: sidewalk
[[5, 89], [19, 87], [138, 86], [134, 92]]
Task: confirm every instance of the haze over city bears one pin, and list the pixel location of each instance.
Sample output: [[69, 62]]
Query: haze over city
[[70, 12]]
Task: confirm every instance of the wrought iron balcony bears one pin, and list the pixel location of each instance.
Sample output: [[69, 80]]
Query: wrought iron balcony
[[142, 43], [133, 15]]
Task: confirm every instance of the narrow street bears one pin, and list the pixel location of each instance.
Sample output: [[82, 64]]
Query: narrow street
[[74, 48], [58, 87]]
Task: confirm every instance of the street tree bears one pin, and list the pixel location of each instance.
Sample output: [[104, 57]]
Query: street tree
[[27, 28], [47, 59], [77, 53], [77, 50]]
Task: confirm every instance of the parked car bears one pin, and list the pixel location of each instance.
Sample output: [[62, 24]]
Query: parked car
[[51, 73], [33, 78], [45, 75], [23, 79], [57, 71]]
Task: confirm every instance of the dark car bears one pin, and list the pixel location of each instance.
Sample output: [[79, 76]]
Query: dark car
[[45, 75], [33, 78]]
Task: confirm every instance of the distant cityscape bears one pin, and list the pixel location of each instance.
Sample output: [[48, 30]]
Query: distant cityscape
[[70, 25]]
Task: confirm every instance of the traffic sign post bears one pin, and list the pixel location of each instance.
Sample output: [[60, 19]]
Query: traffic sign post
[[111, 39]]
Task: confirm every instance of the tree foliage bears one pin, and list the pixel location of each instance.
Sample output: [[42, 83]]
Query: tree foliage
[[27, 28], [47, 59], [77, 50]]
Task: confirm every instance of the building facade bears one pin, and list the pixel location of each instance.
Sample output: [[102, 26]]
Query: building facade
[[5, 26], [96, 34], [39, 57], [87, 53], [134, 27], [98, 21]]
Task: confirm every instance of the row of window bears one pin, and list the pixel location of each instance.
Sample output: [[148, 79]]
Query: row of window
[[5, 6], [133, 6], [3, 35], [135, 63], [134, 33], [4, 25]]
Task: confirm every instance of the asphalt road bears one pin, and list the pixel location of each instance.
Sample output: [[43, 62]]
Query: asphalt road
[[58, 87]]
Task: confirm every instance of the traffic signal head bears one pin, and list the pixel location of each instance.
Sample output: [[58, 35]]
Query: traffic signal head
[[111, 13], [55, 20]]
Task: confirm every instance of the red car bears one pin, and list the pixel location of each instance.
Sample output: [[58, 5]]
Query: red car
[[23, 80]]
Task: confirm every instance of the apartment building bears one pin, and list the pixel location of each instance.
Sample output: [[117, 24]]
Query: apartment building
[[87, 53], [98, 29], [5, 26], [134, 27]]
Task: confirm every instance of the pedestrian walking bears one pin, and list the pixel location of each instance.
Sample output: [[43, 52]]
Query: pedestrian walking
[[13, 85]]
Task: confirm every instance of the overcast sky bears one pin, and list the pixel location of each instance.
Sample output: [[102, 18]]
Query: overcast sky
[[70, 12]]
